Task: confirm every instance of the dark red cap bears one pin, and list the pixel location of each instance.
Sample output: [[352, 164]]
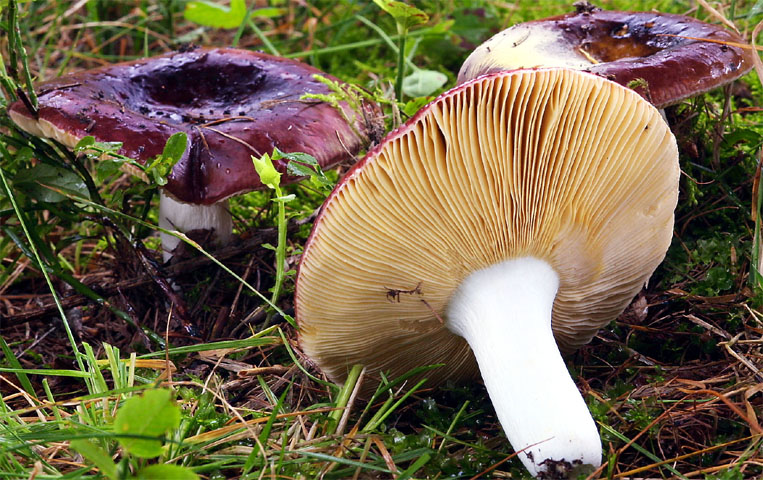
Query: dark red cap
[[659, 55], [231, 103]]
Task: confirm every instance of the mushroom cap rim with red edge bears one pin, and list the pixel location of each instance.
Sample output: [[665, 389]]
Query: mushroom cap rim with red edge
[[313, 239], [681, 65]]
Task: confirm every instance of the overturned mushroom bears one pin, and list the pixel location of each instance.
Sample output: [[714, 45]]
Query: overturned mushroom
[[517, 212], [231, 103], [665, 57]]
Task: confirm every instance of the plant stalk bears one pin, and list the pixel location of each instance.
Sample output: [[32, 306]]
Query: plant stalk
[[400, 65], [280, 247]]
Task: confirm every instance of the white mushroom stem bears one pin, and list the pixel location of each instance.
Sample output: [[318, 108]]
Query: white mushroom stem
[[504, 313], [175, 215]]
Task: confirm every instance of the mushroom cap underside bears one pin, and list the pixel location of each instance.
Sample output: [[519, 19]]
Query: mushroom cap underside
[[665, 57], [555, 164], [231, 103]]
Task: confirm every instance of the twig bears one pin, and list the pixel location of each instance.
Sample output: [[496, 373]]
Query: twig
[[753, 425], [350, 402], [742, 359]]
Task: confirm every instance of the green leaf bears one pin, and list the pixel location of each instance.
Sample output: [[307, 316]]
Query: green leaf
[[304, 165], [41, 182], [84, 143], [97, 456], [158, 178], [89, 144], [422, 83], [265, 433], [107, 167], [299, 170], [162, 165], [405, 15], [342, 461], [150, 415], [213, 15], [300, 157], [175, 147], [743, 136], [411, 107], [166, 472], [268, 174], [108, 161]]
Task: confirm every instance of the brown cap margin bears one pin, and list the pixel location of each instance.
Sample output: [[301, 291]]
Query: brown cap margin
[[665, 57]]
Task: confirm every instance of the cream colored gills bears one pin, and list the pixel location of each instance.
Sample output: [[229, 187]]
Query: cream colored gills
[[573, 174]]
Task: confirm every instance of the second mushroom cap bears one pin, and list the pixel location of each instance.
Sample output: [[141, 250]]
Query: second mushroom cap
[[665, 57]]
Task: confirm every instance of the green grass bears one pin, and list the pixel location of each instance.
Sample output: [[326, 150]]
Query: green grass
[[674, 388]]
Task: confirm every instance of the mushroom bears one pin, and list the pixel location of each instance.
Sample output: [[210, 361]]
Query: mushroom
[[665, 57], [231, 103], [510, 219]]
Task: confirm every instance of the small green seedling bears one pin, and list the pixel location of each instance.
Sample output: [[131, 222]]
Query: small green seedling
[[271, 177], [406, 16], [162, 165], [141, 424], [299, 164], [110, 161], [151, 415]]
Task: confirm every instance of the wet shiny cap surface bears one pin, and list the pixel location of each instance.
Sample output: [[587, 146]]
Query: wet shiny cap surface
[[664, 57], [232, 104]]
